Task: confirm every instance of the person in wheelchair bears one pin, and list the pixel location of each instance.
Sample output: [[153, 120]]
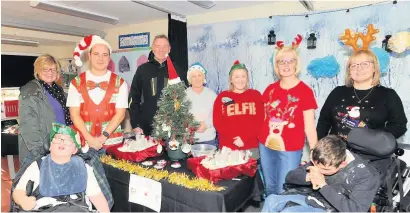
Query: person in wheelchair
[[59, 179], [335, 180]]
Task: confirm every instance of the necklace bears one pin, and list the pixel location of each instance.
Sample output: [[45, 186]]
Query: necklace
[[360, 100]]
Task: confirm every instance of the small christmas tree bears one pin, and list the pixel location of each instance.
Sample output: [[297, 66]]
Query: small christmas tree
[[173, 121]]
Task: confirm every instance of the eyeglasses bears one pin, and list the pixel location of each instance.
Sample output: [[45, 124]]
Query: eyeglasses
[[54, 71], [283, 62], [363, 65], [62, 141]]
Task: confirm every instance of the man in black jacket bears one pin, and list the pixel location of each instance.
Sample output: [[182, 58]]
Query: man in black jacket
[[335, 179], [147, 85]]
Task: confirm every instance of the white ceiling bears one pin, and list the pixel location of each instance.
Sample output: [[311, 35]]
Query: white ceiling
[[128, 12]]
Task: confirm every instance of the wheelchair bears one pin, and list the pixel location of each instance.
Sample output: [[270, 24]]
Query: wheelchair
[[389, 160]]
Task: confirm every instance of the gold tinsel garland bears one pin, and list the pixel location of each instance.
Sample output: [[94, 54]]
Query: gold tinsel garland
[[176, 178]]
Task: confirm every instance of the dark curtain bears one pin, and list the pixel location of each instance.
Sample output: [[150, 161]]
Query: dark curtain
[[178, 37], [16, 70]]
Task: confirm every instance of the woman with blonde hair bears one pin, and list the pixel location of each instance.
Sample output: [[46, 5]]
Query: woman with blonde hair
[[238, 113], [362, 101], [290, 117], [41, 102]]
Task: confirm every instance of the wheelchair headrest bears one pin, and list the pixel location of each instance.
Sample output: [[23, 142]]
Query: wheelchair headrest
[[376, 144]]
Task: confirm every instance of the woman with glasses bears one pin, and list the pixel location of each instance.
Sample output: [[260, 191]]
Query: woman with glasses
[[41, 102], [290, 118], [362, 102]]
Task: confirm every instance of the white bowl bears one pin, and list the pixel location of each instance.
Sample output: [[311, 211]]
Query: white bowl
[[199, 150]]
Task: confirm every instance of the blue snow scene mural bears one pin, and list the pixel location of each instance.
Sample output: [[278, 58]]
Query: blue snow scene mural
[[323, 67]]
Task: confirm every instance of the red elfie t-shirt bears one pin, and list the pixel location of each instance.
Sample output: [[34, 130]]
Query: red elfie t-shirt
[[240, 115], [284, 128]]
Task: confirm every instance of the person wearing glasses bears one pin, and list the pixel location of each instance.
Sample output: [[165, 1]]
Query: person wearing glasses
[[60, 179], [290, 118], [362, 101], [41, 102]]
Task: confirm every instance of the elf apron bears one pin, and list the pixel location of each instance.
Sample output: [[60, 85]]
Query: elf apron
[[97, 116]]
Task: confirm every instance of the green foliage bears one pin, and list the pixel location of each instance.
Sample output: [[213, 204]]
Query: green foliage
[[181, 122]]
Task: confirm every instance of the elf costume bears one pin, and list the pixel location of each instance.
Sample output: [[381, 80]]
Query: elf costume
[[238, 114], [97, 116], [98, 98]]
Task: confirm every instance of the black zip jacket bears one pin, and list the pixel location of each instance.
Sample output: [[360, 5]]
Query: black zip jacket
[[146, 88]]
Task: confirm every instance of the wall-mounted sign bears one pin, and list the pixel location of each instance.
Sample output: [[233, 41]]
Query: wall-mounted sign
[[133, 40]]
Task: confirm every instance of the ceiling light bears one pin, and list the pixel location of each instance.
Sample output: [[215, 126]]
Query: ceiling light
[[307, 4], [28, 24], [76, 12], [204, 4], [19, 42], [151, 5]]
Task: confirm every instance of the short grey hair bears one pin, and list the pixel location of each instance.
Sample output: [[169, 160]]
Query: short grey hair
[[161, 36]]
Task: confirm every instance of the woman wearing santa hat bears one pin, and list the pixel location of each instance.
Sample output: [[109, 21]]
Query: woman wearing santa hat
[[238, 113], [202, 99]]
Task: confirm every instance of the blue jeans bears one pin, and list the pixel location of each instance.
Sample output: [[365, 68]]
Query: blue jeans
[[214, 142], [275, 167], [277, 203]]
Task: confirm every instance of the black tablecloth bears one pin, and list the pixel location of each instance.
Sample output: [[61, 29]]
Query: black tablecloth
[[9, 144], [180, 199]]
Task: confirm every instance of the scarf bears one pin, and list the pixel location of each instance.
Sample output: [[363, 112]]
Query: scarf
[[57, 93]]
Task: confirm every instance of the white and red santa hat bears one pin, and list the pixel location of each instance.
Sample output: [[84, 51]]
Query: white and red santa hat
[[172, 73], [86, 44]]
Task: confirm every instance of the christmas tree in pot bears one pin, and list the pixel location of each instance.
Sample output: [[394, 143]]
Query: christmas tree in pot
[[173, 121]]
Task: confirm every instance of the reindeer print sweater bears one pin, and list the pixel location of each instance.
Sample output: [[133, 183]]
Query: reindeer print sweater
[[284, 127], [238, 115], [375, 108]]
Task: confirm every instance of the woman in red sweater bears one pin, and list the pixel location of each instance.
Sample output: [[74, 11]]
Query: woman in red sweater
[[238, 113], [290, 117]]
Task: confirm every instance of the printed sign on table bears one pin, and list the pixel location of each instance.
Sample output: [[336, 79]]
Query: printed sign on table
[[145, 192]]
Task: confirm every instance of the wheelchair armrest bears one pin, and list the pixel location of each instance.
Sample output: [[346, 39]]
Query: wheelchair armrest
[[399, 152]]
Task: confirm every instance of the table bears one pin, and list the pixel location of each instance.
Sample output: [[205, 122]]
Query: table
[[180, 199], [9, 147]]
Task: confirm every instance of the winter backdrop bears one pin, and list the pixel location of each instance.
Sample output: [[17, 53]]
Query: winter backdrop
[[218, 45]]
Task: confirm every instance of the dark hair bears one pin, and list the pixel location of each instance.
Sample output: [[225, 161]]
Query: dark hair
[[329, 151]]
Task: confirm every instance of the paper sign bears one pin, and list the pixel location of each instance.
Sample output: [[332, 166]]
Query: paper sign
[[145, 192], [133, 40]]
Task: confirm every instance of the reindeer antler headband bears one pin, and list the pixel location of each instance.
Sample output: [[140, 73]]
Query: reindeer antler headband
[[350, 40], [295, 43]]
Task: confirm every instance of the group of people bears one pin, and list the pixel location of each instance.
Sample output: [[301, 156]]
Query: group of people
[[272, 125]]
